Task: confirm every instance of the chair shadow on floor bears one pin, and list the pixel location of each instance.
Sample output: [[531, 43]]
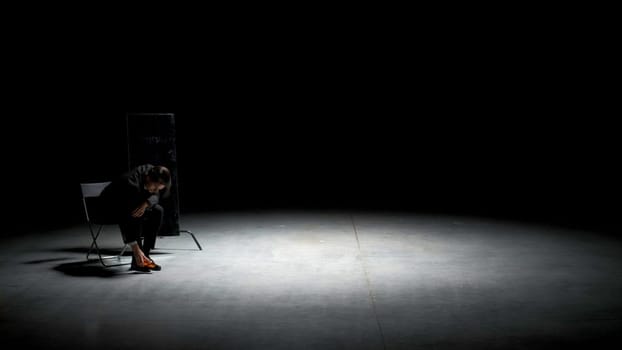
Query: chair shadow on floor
[[93, 268], [90, 269]]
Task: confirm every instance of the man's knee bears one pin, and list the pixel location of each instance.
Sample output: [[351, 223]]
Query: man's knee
[[157, 211]]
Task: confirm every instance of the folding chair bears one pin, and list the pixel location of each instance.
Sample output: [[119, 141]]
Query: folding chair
[[96, 220]]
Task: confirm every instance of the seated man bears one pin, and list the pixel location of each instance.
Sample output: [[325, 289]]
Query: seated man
[[132, 201]]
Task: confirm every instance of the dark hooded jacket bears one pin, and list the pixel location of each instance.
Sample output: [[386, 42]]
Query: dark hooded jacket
[[127, 192]]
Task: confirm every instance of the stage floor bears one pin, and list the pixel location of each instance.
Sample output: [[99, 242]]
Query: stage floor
[[319, 280]]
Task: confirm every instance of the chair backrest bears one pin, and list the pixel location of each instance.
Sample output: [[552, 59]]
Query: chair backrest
[[91, 190]]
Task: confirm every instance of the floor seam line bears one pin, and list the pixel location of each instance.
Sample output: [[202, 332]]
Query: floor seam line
[[372, 297]]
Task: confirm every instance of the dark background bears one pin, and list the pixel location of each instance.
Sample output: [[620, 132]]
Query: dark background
[[280, 152], [510, 121]]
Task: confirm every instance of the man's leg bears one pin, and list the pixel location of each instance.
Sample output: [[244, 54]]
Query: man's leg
[[131, 230], [151, 227]]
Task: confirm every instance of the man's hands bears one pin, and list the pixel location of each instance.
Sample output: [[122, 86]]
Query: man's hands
[[138, 212]]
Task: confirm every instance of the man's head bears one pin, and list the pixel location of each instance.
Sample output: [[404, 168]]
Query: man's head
[[158, 178]]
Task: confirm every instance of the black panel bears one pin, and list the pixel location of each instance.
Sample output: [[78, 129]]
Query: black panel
[[152, 139]]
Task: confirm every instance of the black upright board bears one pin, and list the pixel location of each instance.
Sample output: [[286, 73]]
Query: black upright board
[[151, 140]]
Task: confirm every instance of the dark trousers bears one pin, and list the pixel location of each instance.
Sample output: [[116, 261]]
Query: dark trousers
[[147, 227]]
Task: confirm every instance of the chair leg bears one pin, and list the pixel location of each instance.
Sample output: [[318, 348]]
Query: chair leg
[[96, 246], [94, 242], [193, 237]]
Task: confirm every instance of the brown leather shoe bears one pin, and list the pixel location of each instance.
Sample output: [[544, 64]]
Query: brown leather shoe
[[135, 267], [151, 265]]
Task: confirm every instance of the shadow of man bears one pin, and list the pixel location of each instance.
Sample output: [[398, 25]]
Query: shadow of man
[[90, 269]]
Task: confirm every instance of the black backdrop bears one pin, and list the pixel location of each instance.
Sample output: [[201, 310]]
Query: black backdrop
[[459, 118], [306, 156], [152, 139]]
